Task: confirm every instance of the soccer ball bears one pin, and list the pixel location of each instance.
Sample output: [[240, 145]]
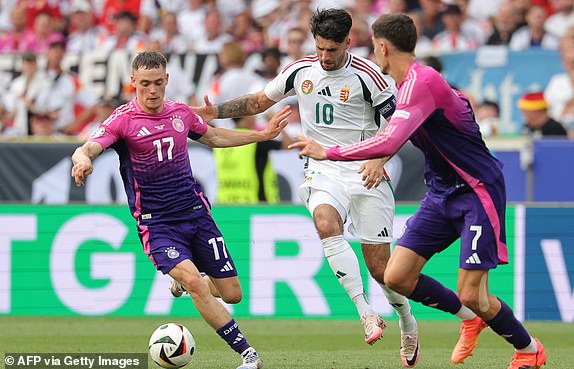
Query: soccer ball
[[171, 345]]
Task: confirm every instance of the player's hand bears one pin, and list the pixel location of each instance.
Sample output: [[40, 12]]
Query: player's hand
[[309, 148], [81, 170], [277, 123], [207, 112], [373, 172]]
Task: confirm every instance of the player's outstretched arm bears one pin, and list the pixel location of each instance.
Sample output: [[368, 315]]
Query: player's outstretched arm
[[82, 161], [242, 106], [309, 148], [221, 137]]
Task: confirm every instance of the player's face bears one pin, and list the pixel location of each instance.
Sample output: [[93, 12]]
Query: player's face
[[150, 88], [379, 51], [332, 55]]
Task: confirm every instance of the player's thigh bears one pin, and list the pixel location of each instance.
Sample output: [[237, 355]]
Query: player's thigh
[[165, 245], [210, 252], [372, 212], [482, 232], [428, 231], [324, 189], [229, 288]]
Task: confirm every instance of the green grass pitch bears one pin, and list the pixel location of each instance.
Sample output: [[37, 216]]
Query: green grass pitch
[[301, 344]]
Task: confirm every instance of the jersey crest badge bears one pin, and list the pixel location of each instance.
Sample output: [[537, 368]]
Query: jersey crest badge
[[177, 123], [172, 253], [344, 93], [307, 87]]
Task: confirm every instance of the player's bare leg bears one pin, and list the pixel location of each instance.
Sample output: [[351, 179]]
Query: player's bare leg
[[376, 257], [345, 266], [214, 313]]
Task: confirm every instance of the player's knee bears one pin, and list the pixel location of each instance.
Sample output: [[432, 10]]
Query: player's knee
[[377, 271], [196, 286], [394, 281], [232, 297], [469, 299], [326, 228]]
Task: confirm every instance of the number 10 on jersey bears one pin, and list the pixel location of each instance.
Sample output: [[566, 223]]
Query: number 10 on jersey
[[325, 114]]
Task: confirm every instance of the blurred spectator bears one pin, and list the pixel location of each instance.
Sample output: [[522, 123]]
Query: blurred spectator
[[430, 18], [563, 17], [537, 122], [482, 11], [39, 40], [533, 34], [192, 22], [152, 11], [54, 105], [101, 111], [235, 80], [37, 7], [43, 123], [246, 33], [474, 28], [6, 8], [559, 92], [22, 94], [172, 41], [271, 60], [111, 8], [11, 41], [212, 40], [424, 44], [488, 116], [85, 35], [229, 9], [268, 14], [360, 38], [452, 38], [296, 38], [125, 35], [505, 23]]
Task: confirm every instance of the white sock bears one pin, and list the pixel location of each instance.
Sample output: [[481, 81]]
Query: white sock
[[345, 265], [407, 322], [465, 313], [532, 347]]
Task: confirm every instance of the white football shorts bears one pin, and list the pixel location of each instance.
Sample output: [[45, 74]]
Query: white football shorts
[[371, 211]]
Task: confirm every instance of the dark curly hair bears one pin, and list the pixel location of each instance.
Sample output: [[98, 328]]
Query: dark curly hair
[[331, 24]]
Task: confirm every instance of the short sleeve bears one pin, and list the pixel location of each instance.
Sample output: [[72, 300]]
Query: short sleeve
[[110, 131], [197, 126], [283, 84]]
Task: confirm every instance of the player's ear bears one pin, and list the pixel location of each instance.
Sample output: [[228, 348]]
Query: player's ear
[[133, 80]]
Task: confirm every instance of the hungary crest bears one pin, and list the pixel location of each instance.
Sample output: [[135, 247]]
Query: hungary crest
[[307, 87], [344, 93]]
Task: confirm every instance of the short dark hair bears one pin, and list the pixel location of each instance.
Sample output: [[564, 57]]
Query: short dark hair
[[399, 29], [331, 24], [149, 60]]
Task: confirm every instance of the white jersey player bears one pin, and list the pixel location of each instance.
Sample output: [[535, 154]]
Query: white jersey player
[[343, 99]]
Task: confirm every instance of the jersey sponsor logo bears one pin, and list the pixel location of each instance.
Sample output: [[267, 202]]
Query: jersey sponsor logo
[[143, 132], [172, 253], [325, 92], [177, 123], [98, 132], [307, 87], [160, 127], [146, 216], [344, 93]]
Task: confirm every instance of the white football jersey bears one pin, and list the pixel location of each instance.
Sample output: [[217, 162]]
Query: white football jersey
[[338, 107]]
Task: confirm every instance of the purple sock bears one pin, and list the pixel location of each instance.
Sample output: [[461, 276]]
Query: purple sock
[[508, 327], [432, 293], [231, 333]]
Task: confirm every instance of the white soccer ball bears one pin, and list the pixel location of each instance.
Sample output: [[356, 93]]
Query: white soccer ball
[[171, 345]]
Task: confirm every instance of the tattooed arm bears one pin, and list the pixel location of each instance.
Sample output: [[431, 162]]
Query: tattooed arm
[[242, 106]]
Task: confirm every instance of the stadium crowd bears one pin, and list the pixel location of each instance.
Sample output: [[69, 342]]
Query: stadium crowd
[[254, 39]]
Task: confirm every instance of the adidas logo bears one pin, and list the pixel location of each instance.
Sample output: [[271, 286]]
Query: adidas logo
[[238, 338], [383, 233], [325, 92], [143, 132], [227, 267], [473, 259], [340, 274]]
